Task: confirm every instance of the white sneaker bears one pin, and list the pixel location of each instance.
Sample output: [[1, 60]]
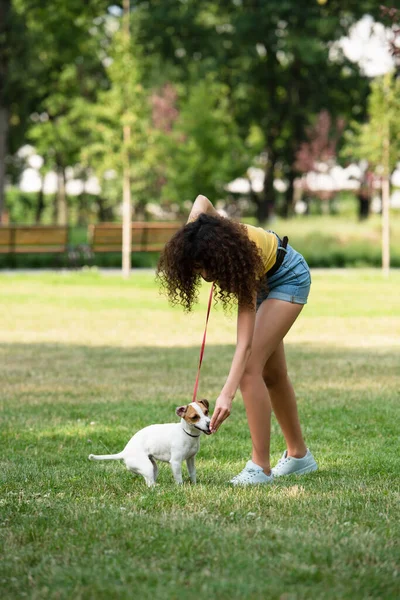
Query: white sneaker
[[288, 465], [252, 474]]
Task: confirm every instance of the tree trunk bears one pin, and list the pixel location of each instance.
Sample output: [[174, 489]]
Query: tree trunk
[[289, 196], [105, 212], [5, 8], [62, 208], [386, 192], [40, 203], [126, 210], [385, 225], [263, 210], [363, 206], [3, 153], [266, 207], [127, 202]]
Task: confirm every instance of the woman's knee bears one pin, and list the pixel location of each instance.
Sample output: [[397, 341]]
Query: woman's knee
[[250, 374], [273, 377]]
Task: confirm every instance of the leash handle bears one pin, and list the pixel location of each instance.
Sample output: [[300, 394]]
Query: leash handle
[[196, 385]]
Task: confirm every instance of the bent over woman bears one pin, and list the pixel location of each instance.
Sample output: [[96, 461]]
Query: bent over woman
[[270, 282]]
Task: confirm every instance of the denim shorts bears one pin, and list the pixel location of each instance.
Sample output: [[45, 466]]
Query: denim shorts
[[291, 282]]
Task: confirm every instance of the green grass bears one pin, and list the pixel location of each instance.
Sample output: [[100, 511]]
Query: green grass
[[86, 360]]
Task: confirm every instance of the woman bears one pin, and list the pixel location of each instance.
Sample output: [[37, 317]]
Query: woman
[[245, 264]]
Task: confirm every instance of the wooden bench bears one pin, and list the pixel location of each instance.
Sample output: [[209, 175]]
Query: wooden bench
[[146, 237], [30, 239]]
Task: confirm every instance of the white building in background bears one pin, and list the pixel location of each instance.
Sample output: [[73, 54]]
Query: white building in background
[[328, 179]]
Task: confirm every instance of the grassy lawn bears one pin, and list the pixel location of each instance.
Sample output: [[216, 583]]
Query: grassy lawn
[[88, 359]]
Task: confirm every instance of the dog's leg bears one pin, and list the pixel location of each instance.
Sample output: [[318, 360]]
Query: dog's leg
[[142, 465], [155, 468], [191, 468], [176, 466]]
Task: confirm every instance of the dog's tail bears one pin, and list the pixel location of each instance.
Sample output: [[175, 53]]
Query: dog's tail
[[106, 456]]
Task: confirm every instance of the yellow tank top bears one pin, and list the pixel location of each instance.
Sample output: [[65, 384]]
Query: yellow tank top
[[266, 242]]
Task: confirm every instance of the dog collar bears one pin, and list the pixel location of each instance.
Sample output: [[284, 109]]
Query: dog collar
[[195, 436]]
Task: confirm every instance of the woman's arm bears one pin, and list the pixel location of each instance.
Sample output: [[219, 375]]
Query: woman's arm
[[201, 205], [245, 329]]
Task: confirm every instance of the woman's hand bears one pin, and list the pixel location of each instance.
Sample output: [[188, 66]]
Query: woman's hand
[[221, 412]]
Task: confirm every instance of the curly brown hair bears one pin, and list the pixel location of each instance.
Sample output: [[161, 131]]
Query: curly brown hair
[[220, 247]]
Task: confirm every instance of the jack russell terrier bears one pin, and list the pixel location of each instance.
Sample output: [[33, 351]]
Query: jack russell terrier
[[171, 442]]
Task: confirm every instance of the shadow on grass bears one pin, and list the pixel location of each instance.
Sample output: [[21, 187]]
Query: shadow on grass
[[82, 528], [112, 382], [158, 370], [95, 398]]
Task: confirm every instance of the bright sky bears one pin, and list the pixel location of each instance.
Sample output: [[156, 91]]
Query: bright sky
[[367, 45]]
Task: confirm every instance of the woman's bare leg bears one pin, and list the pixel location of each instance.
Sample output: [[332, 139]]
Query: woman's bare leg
[[273, 321], [283, 401]]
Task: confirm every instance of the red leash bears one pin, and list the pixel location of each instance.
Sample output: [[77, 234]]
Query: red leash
[[196, 385]]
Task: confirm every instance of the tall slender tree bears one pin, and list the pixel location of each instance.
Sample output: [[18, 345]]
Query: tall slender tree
[[118, 130], [378, 142], [127, 201]]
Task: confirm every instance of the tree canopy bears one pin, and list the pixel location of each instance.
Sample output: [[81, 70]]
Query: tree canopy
[[245, 78]]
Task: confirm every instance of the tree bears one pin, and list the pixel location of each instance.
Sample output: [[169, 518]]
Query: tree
[[319, 151], [13, 102], [378, 142], [54, 58], [272, 62], [321, 144], [275, 57], [118, 128], [203, 150]]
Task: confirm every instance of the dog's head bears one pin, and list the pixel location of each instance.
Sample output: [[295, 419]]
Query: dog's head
[[196, 415]]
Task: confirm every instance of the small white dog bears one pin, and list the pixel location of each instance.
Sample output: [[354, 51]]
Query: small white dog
[[171, 442]]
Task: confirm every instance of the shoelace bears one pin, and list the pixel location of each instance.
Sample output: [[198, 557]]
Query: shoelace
[[250, 474], [241, 474], [246, 474]]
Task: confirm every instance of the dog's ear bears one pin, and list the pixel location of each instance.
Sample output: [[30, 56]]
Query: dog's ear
[[181, 411], [204, 402]]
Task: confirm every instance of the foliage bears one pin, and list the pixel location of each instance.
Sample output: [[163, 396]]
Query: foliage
[[164, 110], [125, 103], [266, 69], [203, 151], [321, 144], [60, 45], [365, 141], [275, 58], [64, 67]]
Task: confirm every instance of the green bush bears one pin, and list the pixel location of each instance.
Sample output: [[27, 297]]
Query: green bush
[[324, 251]]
